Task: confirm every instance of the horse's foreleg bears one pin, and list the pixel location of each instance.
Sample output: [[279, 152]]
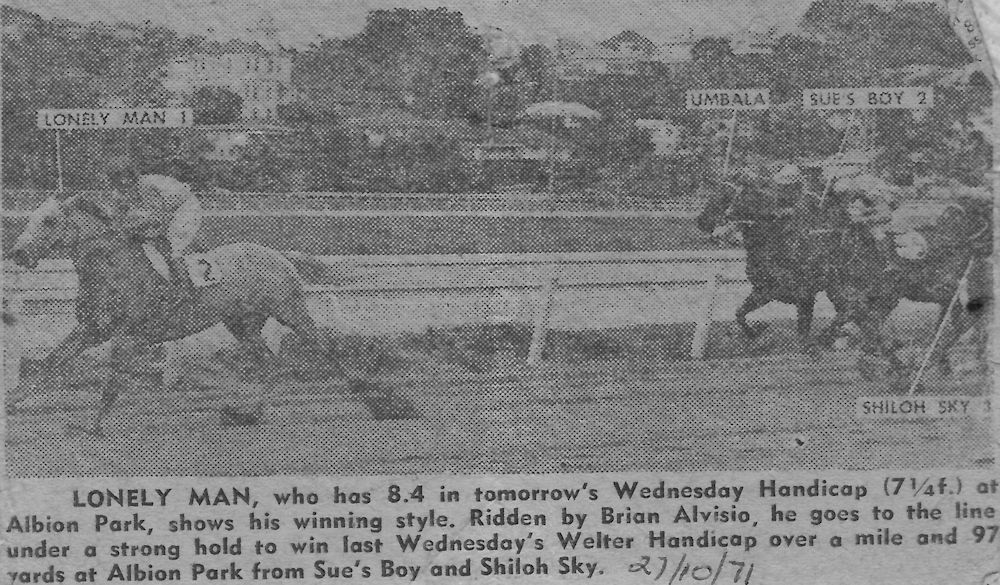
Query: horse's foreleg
[[753, 302], [123, 354], [56, 362], [960, 322], [294, 315], [842, 316], [870, 320]]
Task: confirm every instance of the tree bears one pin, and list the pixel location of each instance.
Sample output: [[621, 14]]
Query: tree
[[428, 59], [56, 64], [536, 65], [866, 40], [715, 64], [216, 105], [797, 62]]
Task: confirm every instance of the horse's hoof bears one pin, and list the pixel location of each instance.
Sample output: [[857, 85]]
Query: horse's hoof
[[753, 332], [95, 432], [812, 351], [899, 383]]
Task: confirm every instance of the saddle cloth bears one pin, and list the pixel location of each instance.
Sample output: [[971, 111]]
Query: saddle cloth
[[205, 269], [910, 245]]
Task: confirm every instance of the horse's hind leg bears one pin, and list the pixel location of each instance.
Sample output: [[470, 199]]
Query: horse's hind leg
[[804, 320], [294, 315], [754, 301], [247, 331]]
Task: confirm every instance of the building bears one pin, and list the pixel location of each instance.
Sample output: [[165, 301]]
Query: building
[[16, 23], [259, 71], [630, 53], [230, 139], [627, 53]]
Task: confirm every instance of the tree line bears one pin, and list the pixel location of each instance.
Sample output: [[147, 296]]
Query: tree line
[[430, 65]]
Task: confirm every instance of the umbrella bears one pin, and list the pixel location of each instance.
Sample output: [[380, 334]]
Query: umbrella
[[847, 164], [560, 110]]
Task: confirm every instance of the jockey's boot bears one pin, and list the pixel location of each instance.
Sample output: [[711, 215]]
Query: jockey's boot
[[178, 270], [179, 274]]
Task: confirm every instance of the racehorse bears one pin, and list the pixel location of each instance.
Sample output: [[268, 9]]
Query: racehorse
[[124, 302], [786, 259], [959, 244]]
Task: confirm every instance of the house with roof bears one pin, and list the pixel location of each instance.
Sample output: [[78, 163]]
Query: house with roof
[[623, 54], [229, 140], [398, 124], [259, 71], [17, 22], [627, 53]]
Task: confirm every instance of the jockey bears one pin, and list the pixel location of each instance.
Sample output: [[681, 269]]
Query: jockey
[[164, 213], [790, 185]]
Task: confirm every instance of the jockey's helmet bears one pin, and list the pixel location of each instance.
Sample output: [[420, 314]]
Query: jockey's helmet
[[788, 175], [121, 173]]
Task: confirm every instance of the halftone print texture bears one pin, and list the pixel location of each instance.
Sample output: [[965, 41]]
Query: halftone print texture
[[346, 238]]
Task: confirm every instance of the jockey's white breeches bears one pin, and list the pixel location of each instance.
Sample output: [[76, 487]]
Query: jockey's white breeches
[[184, 226]]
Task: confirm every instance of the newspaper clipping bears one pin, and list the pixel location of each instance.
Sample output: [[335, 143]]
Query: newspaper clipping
[[667, 292]]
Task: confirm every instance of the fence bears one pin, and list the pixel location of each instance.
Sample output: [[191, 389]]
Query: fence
[[18, 202], [392, 294]]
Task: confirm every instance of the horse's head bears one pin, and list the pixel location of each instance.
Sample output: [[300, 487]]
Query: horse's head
[[726, 204], [979, 222], [718, 208], [56, 225]]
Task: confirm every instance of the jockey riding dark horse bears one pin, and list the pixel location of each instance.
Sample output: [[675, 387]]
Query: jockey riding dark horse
[[787, 237], [869, 286]]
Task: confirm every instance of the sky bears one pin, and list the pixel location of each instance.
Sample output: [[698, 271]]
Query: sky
[[303, 21]]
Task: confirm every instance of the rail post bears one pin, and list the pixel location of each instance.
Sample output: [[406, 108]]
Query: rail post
[[543, 310], [704, 322], [945, 321], [11, 346]]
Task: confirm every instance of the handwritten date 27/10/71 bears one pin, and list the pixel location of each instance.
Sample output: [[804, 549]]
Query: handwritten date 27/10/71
[[724, 570]]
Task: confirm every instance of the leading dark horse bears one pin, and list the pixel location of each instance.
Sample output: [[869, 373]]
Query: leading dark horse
[[787, 250], [123, 301]]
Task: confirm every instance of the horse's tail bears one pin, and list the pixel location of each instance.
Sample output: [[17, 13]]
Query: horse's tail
[[313, 270]]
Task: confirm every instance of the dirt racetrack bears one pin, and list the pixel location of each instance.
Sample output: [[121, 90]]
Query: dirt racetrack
[[772, 412]]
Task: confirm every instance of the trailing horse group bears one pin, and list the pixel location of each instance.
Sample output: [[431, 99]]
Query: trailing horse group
[[800, 245]]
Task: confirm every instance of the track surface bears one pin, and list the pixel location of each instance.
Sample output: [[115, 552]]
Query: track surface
[[774, 412]]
